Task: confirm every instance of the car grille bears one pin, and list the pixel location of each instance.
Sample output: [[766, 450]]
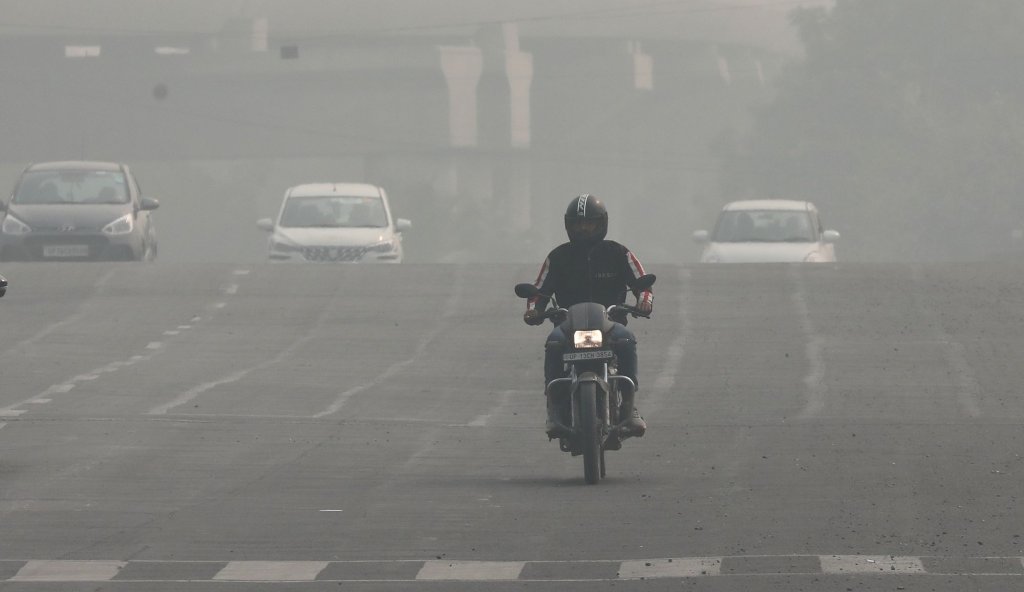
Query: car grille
[[334, 254]]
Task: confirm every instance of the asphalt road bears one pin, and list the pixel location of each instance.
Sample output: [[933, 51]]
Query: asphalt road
[[217, 427]]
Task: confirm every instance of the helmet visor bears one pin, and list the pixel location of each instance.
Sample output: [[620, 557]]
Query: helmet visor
[[584, 228]]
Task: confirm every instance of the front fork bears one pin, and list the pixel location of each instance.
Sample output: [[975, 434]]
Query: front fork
[[611, 385]]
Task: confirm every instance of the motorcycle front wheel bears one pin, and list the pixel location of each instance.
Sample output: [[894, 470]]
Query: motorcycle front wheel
[[590, 433]]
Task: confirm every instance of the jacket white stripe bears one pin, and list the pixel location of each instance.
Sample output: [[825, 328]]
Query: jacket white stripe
[[638, 270], [531, 303]]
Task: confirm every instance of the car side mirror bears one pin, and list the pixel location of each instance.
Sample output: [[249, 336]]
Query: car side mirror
[[830, 236], [402, 224], [265, 224], [148, 203], [701, 236]]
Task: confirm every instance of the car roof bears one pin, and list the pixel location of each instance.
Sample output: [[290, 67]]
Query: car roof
[[769, 204], [85, 165], [321, 189]]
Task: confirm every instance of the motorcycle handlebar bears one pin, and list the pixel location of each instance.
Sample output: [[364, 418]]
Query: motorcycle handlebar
[[627, 309]]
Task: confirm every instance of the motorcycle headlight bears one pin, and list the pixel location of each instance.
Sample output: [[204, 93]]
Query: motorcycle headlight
[[12, 225], [587, 339], [122, 225]]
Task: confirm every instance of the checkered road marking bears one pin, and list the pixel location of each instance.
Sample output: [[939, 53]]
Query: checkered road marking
[[483, 571]]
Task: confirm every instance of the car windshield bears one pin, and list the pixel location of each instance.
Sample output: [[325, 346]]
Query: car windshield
[[72, 187], [334, 211], [782, 226]]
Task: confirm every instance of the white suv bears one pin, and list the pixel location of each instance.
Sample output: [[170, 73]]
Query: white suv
[[768, 230], [335, 223]]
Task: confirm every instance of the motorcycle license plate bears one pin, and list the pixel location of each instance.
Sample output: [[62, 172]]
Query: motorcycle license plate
[[598, 354]]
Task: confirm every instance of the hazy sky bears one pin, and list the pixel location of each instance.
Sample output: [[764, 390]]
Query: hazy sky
[[756, 22]]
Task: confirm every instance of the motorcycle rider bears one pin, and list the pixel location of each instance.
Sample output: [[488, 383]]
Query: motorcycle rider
[[589, 268]]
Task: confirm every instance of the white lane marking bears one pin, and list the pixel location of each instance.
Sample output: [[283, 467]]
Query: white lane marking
[[220, 305], [153, 346], [171, 332], [271, 571], [332, 510], [195, 391], [968, 388], [845, 564], [814, 344], [666, 379], [68, 571], [241, 272], [78, 314], [503, 401], [684, 567], [470, 570], [453, 306], [231, 289]]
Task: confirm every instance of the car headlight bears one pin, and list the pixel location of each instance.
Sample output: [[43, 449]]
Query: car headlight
[[122, 225], [384, 247], [12, 225], [587, 339], [283, 247]]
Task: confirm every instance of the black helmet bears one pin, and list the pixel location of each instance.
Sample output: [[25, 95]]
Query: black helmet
[[586, 219]]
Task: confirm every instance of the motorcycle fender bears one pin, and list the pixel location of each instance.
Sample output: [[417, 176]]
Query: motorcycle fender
[[592, 377]]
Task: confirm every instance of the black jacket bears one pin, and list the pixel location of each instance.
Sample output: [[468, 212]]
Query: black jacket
[[600, 273]]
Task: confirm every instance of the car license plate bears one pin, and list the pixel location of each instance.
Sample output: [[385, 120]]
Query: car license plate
[[66, 251], [599, 354]]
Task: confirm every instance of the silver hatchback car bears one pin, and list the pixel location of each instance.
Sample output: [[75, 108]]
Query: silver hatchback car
[[77, 211]]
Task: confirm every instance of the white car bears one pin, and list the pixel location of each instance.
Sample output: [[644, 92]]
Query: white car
[[335, 223], [767, 231]]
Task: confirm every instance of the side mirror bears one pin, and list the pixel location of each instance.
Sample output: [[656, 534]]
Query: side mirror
[[265, 224], [830, 236], [401, 224], [701, 236], [527, 290], [148, 203]]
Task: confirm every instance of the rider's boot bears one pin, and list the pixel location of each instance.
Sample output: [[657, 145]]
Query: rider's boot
[[630, 421], [554, 426]]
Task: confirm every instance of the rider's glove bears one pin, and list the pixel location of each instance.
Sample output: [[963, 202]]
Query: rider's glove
[[533, 317]]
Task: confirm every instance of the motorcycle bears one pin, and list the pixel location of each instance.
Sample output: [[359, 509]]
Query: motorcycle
[[592, 392]]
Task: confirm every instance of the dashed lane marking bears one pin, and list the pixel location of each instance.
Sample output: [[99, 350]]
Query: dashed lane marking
[[470, 570], [670, 568], [68, 571], [271, 571]]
